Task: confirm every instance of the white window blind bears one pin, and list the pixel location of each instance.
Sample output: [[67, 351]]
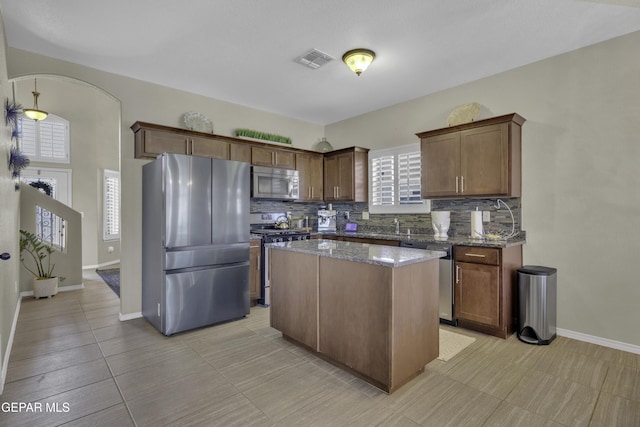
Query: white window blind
[[111, 205], [409, 178], [394, 181], [382, 181], [46, 140]]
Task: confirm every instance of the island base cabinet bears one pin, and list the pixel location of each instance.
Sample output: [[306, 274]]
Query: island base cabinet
[[382, 326], [294, 295], [354, 316], [379, 323]]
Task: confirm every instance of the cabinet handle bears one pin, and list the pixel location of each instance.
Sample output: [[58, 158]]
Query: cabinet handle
[[462, 184], [338, 192], [258, 264], [457, 184], [457, 274], [476, 255], [311, 193], [273, 158]]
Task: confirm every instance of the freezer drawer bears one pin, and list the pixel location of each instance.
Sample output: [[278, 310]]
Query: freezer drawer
[[203, 297], [207, 256]]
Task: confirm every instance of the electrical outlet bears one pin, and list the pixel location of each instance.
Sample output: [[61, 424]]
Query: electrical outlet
[[486, 216], [365, 215]]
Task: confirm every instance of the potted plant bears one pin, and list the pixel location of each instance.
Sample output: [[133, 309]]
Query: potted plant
[[45, 284]]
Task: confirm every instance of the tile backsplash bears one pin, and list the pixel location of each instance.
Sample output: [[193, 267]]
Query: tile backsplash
[[460, 209]]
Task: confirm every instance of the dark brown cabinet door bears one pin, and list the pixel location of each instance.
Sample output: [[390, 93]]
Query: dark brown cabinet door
[[479, 159], [310, 168], [440, 156], [262, 156], [330, 177], [240, 152], [152, 143], [339, 180], [346, 175], [484, 160], [477, 293], [210, 148]]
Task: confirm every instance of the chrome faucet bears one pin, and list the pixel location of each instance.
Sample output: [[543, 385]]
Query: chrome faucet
[[397, 225]]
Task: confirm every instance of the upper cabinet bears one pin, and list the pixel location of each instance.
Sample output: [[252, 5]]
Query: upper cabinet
[[266, 156], [346, 175], [310, 168], [153, 140], [478, 159], [340, 175]]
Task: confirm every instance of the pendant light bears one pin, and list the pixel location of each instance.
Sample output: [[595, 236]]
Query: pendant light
[[34, 113], [358, 59]]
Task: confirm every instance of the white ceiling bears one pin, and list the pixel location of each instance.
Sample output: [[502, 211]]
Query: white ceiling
[[243, 51]]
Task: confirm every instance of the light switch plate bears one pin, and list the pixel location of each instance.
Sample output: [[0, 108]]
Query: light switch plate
[[365, 215], [486, 216]]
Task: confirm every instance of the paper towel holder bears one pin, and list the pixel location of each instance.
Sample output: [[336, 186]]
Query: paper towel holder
[[477, 231]]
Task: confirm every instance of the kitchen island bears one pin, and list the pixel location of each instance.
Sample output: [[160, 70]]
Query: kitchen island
[[370, 309]]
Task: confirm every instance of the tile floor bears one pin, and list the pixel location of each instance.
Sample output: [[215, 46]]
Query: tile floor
[[72, 353]]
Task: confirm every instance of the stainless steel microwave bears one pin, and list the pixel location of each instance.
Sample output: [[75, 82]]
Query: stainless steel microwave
[[271, 183]]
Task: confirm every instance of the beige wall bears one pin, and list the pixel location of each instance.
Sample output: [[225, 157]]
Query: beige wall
[[94, 123], [580, 203], [9, 225]]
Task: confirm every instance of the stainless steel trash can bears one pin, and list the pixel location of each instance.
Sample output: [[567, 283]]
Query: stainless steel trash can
[[537, 288]]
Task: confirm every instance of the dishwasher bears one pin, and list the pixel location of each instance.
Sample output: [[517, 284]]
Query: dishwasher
[[445, 280]]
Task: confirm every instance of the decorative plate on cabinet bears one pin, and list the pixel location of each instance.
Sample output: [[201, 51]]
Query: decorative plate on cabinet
[[464, 114], [198, 122]]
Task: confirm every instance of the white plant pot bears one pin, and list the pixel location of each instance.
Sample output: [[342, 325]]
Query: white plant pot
[[45, 287]]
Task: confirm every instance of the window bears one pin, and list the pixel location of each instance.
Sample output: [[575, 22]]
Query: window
[[50, 228], [45, 140], [111, 205], [394, 181], [58, 181]]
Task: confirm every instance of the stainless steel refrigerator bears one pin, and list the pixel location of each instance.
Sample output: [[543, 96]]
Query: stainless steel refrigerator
[[195, 241]]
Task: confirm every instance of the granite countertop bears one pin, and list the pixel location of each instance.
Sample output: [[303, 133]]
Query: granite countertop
[[387, 256], [520, 239]]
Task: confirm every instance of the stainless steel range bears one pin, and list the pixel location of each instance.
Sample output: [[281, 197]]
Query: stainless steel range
[[273, 227]]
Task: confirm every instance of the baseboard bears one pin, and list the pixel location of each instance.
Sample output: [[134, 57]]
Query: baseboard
[[5, 358], [60, 289], [130, 316], [605, 342], [104, 264]]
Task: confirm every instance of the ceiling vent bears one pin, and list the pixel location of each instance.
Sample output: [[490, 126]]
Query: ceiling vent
[[314, 59]]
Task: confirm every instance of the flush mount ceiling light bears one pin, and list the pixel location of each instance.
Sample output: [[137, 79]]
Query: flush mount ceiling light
[[34, 113], [358, 59]]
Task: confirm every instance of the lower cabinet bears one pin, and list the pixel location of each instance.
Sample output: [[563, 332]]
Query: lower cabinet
[[254, 270], [486, 288], [294, 296], [382, 327]]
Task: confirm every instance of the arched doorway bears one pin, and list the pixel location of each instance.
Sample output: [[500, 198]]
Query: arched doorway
[[94, 118]]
